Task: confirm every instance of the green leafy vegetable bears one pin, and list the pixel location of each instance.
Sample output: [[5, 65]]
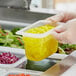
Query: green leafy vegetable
[[10, 39], [68, 48], [15, 30], [60, 50]]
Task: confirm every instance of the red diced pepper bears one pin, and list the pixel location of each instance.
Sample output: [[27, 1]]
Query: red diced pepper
[[28, 75], [20, 75]]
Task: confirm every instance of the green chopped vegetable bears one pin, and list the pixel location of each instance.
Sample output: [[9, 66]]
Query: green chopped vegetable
[[64, 46], [60, 50], [9, 39], [68, 48], [15, 30]]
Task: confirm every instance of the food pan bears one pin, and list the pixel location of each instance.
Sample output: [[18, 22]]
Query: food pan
[[18, 52], [19, 71], [41, 45], [14, 73]]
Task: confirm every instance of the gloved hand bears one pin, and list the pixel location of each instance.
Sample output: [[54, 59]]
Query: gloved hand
[[62, 17], [65, 33]]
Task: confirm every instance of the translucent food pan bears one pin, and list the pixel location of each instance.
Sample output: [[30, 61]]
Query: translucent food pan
[[38, 45], [24, 71], [16, 52]]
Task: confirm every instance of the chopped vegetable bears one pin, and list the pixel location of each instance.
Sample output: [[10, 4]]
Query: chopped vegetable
[[19, 74], [8, 58], [40, 29], [68, 48], [60, 50], [10, 39], [15, 30]]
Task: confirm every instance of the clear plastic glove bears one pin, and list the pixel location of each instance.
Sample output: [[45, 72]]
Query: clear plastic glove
[[62, 17], [66, 33]]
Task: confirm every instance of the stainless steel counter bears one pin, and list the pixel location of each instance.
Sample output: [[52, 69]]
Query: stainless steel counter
[[19, 15]]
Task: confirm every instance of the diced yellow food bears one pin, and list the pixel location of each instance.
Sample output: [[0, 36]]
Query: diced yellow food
[[40, 48], [40, 29]]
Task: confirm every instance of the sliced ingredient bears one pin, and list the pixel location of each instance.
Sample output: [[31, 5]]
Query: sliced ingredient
[[68, 48], [60, 50], [8, 58], [10, 39], [19, 74], [40, 29]]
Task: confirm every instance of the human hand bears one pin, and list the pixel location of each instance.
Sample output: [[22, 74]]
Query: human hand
[[66, 33], [62, 17]]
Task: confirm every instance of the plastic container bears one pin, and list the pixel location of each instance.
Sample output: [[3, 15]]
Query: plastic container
[[17, 52], [19, 71], [7, 71], [10, 73], [38, 46]]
